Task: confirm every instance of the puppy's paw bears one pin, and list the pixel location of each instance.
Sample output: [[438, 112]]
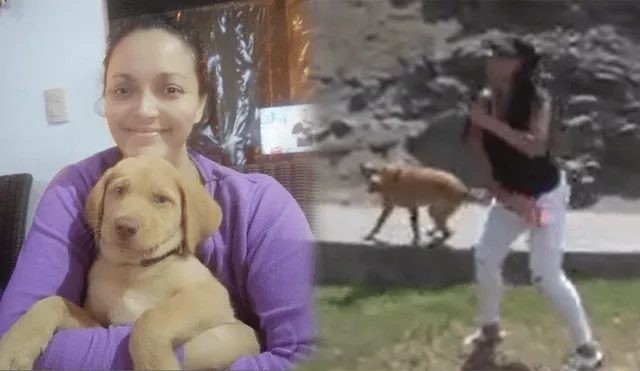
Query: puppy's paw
[[19, 351], [153, 355], [150, 350], [20, 361]]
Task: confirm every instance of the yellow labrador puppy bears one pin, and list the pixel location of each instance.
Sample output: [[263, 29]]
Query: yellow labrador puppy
[[148, 222]]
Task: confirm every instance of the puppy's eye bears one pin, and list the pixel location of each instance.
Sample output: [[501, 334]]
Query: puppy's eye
[[119, 190], [160, 199]]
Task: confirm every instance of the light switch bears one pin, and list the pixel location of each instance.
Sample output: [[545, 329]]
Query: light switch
[[56, 106]]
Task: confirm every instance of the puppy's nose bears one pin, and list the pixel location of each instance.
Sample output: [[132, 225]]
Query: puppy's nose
[[127, 226]]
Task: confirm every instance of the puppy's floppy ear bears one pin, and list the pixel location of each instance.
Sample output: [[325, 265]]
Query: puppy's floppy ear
[[94, 204], [201, 214]]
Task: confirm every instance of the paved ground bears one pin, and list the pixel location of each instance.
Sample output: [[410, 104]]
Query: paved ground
[[587, 231]]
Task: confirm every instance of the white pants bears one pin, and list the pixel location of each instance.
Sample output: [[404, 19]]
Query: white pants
[[501, 229]]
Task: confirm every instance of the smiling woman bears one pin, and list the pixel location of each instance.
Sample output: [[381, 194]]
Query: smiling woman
[[154, 92], [152, 96]]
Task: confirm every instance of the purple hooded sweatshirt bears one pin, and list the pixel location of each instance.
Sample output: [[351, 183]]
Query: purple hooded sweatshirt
[[263, 253]]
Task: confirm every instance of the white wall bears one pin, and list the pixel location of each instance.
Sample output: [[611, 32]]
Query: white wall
[[45, 44]]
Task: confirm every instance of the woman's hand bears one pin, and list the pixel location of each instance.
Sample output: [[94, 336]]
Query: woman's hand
[[478, 115], [525, 206], [492, 187], [531, 143]]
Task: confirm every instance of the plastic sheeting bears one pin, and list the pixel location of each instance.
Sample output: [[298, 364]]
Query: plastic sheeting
[[230, 33], [257, 53]]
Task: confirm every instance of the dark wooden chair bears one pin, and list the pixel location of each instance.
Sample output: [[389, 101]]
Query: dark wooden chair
[[15, 190]]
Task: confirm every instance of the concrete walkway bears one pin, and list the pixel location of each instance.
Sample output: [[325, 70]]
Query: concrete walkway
[[585, 231], [597, 245]]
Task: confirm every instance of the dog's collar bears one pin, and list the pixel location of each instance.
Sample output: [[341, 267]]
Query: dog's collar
[[157, 259]]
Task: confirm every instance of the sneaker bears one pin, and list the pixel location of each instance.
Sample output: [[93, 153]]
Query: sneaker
[[583, 362], [488, 335], [485, 354]]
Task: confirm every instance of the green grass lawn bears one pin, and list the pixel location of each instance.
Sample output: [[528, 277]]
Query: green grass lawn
[[423, 329]]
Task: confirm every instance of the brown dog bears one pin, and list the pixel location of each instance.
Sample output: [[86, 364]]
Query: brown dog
[[412, 187], [148, 222]]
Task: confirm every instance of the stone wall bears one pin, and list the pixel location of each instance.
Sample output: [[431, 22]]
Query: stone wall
[[415, 99]]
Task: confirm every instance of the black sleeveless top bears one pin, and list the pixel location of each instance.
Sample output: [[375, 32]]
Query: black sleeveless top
[[515, 171]]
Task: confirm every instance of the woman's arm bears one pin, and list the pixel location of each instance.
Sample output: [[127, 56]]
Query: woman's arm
[[280, 280], [474, 141], [532, 143], [54, 261]]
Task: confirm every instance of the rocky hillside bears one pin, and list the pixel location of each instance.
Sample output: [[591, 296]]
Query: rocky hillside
[[395, 77]]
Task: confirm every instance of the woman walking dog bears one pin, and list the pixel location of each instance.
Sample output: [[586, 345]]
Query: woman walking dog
[[510, 130]]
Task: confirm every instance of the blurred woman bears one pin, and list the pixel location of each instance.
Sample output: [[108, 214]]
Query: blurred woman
[[510, 130]]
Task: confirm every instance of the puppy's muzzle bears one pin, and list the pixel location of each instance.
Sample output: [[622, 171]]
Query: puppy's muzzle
[[126, 226]]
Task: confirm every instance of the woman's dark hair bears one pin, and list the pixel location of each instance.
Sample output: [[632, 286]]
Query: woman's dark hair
[[168, 23], [524, 94]]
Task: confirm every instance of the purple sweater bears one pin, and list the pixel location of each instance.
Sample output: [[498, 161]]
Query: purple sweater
[[262, 253]]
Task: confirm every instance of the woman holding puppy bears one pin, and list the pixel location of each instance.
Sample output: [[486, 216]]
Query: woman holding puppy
[[511, 132], [155, 89]]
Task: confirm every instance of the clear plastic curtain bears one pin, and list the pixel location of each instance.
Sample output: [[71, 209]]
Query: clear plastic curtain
[[259, 56], [232, 35]]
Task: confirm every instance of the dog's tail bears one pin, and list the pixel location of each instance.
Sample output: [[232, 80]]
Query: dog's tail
[[478, 195]]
